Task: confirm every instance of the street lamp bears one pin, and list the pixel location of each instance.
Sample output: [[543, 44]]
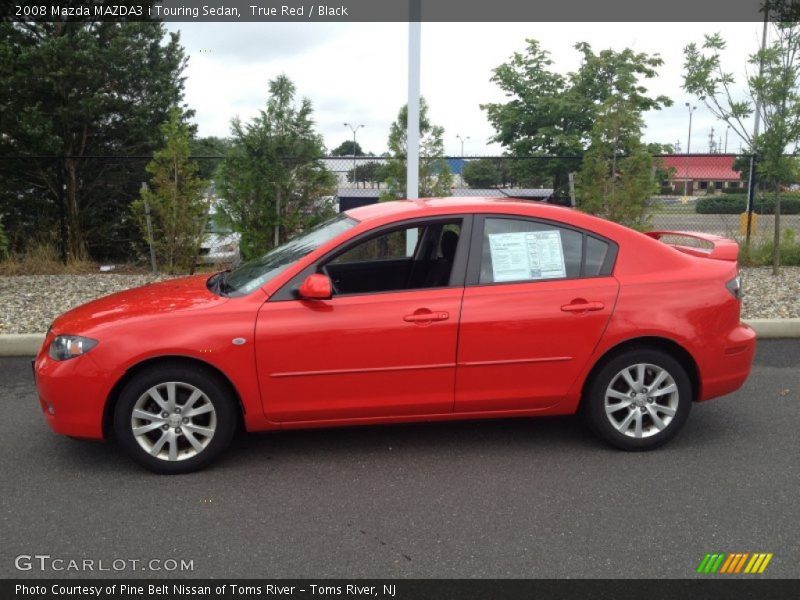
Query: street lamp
[[462, 139], [688, 150], [727, 129], [354, 129]]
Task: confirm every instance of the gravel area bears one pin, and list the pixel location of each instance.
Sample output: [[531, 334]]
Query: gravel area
[[29, 303], [770, 297]]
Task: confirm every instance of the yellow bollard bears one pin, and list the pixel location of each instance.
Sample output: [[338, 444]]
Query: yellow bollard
[[743, 223]]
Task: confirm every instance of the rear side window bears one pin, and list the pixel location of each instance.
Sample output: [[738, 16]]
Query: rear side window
[[518, 250], [596, 255]]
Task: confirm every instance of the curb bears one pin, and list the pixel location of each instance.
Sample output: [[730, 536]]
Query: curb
[[20, 344], [28, 344]]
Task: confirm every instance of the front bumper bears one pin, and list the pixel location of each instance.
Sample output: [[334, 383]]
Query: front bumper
[[72, 394]]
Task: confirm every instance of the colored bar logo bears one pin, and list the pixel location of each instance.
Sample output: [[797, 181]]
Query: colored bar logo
[[734, 563]]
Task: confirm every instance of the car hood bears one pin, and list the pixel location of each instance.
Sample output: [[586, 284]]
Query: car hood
[[170, 296]]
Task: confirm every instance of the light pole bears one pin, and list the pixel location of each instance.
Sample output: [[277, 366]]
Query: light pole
[[727, 129], [462, 139], [688, 150], [354, 129]]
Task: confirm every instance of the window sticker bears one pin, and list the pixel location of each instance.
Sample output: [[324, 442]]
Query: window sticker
[[527, 255]]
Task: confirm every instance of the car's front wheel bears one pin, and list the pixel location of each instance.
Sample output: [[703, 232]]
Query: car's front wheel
[[639, 399], [174, 418]]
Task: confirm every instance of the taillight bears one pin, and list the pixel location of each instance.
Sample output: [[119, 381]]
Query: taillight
[[735, 287]]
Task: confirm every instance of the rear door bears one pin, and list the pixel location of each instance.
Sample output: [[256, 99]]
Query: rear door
[[539, 295]]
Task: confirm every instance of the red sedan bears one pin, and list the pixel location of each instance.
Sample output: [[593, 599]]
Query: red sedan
[[408, 311]]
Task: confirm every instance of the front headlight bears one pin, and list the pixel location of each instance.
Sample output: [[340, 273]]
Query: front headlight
[[64, 347]]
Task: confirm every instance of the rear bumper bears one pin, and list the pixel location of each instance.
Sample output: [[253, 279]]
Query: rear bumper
[[728, 365], [72, 395]]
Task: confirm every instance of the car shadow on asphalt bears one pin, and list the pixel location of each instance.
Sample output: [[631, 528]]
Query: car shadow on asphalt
[[566, 436], [419, 442]]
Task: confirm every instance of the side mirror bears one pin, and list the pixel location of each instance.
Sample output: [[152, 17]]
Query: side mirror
[[316, 287]]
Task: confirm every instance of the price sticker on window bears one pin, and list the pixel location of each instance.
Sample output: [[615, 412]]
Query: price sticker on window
[[527, 255]]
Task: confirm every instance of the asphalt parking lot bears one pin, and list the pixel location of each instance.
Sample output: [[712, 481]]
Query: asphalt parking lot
[[522, 498]]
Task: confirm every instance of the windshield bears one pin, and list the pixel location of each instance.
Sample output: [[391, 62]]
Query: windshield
[[255, 273]]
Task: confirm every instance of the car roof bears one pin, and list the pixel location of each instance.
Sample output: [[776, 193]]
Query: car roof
[[471, 204]]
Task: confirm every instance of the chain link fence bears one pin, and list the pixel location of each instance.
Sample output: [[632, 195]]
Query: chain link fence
[[706, 193]]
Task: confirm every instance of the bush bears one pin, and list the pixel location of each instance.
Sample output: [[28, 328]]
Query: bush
[[721, 205], [731, 204], [736, 190]]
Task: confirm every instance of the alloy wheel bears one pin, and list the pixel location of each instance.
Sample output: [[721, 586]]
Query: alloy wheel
[[173, 421], [641, 400]]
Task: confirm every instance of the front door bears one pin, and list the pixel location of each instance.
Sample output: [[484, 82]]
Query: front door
[[383, 346]]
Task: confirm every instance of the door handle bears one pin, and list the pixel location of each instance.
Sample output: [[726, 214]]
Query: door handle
[[426, 316], [582, 306]]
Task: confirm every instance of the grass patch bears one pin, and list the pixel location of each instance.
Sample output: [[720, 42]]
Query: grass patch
[[44, 259], [760, 252]]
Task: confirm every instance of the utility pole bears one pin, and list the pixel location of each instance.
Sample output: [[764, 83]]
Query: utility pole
[[462, 139], [62, 208], [412, 132], [751, 183], [354, 129], [149, 223], [688, 150]]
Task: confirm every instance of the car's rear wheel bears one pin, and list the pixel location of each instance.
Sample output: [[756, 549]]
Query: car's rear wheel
[[639, 399], [174, 418]]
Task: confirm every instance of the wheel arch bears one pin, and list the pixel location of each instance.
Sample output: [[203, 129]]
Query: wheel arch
[[667, 345], [176, 359]]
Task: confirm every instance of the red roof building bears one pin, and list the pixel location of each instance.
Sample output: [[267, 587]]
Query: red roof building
[[701, 173]]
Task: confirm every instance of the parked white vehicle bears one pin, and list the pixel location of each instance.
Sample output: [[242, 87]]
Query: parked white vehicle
[[220, 245]]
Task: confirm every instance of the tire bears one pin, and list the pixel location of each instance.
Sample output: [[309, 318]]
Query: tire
[[185, 418], [654, 414]]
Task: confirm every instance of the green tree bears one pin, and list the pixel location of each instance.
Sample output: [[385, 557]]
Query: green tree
[[369, 172], [273, 179], [435, 178], [552, 114], [73, 89], [616, 178], [214, 149], [774, 79], [481, 173], [348, 148], [662, 173], [176, 200]]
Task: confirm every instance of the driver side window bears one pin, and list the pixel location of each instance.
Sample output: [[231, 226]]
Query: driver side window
[[394, 245], [406, 258]]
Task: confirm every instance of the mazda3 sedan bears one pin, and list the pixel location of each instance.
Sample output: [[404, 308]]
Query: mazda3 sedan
[[405, 311]]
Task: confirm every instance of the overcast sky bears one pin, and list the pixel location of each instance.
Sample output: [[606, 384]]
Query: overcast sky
[[356, 72]]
